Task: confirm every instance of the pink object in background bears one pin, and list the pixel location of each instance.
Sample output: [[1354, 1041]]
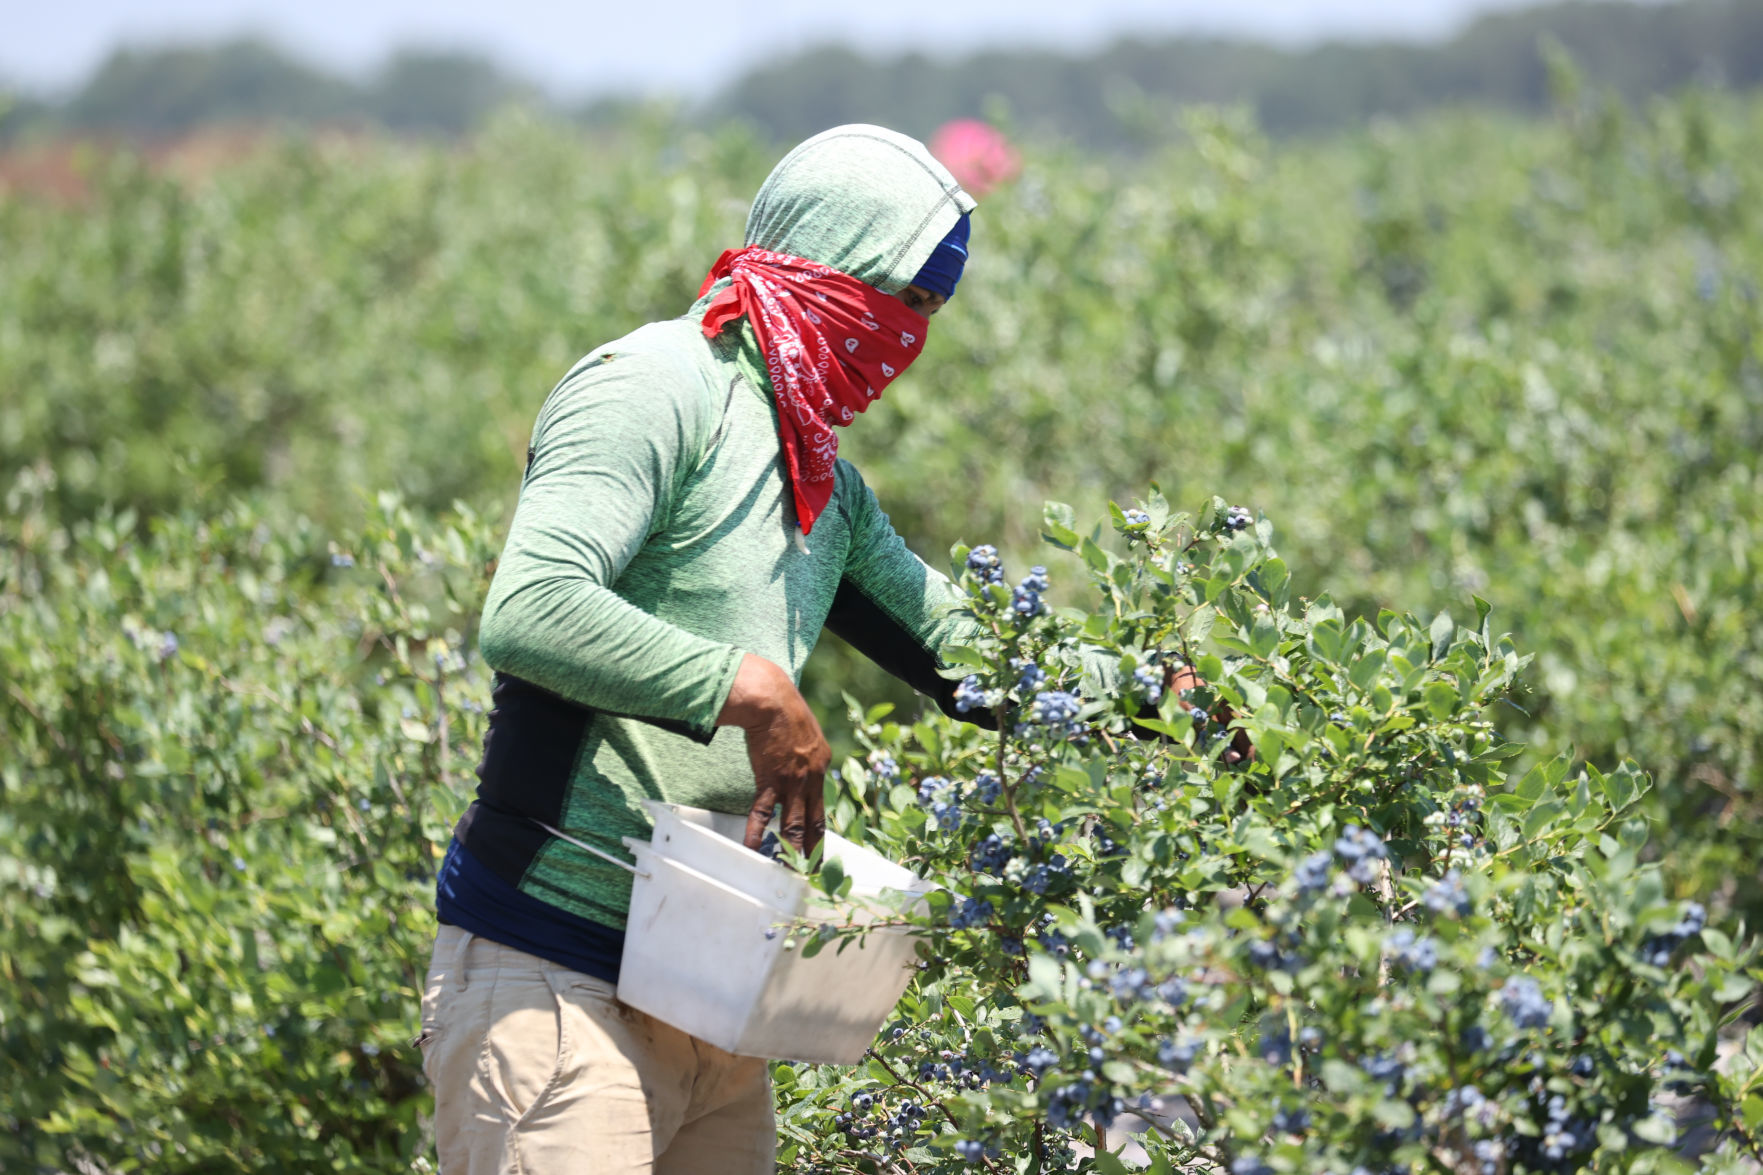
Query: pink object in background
[[978, 156]]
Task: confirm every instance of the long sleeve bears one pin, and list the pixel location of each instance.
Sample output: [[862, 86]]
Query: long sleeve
[[899, 612], [610, 450], [893, 608]]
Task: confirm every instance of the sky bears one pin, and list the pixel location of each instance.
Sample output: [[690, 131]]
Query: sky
[[683, 47]]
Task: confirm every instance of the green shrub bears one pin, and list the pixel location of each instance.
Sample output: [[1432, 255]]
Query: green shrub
[[235, 749], [1365, 949], [1470, 355]]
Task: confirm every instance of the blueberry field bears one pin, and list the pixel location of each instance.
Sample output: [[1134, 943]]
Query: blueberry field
[[1425, 459]]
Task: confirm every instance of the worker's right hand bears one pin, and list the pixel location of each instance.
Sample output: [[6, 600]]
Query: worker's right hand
[[787, 750], [1179, 678]]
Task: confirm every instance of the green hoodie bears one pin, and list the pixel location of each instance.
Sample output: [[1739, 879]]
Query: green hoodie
[[652, 547]]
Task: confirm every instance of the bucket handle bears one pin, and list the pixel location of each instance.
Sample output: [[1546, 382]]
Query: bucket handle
[[587, 848]]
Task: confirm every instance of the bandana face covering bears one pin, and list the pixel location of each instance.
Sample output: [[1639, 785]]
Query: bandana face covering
[[830, 344]]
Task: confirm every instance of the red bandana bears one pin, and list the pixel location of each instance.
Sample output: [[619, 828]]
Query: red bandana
[[831, 344]]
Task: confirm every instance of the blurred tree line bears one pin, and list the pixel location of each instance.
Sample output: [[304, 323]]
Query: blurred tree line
[[169, 91], [1115, 97]]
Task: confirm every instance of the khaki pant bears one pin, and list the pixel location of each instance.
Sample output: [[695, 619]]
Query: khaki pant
[[539, 1070]]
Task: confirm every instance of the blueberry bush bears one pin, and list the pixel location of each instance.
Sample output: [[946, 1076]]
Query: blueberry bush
[[1463, 357], [234, 751], [1366, 947]]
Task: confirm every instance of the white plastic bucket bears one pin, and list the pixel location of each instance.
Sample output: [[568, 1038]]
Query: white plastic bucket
[[705, 946]]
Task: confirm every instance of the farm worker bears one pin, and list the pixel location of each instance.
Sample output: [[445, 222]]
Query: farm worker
[[684, 532]]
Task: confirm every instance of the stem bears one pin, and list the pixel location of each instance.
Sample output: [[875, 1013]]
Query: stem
[[48, 727], [1197, 1104], [1007, 788], [1746, 1137]]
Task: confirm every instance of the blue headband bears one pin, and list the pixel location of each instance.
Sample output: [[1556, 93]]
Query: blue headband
[[942, 272]]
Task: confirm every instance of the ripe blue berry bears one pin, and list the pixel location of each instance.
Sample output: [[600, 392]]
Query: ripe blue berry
[[1313, 872], [992, 854], [983, 561], [1025, 602], [1359, 849], [1029, 676], [972, 912], [1522, 1001], [1411, 953], [1447, 895], [1056, 710]]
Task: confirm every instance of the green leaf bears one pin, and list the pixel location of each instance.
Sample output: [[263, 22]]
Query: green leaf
[[1441, 699], [1340, 1077], [1058, 525], [1108, 1163], [960, 655], [1263, 638], [1718, 944], [1442, 630], [1045, 977], [1540, 816], [1327, 642], [1752, 1112], [1397, 1115], [1363, 672]]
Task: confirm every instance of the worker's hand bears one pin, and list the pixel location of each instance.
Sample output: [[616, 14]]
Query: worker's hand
[[787, 750], [1178, 677]]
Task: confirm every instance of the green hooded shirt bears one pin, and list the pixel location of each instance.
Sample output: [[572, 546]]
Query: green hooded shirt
[[653, 546]]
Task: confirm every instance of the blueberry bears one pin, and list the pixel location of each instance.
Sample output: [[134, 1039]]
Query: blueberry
[[1313, 872], [1359, 848], [972, 912], [1056, 709], [1447, 895], [1522, 1001], [1176, 1055], [983, 561], [993, 854]]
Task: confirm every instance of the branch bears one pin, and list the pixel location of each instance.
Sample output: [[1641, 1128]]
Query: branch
[[54, 734], [921, 1092]]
